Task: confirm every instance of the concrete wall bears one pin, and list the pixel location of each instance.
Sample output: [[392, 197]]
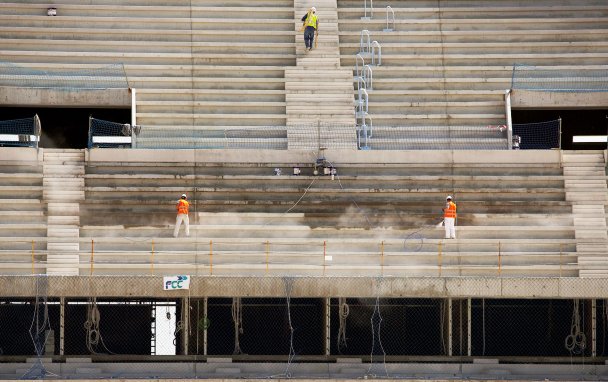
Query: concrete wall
[[73, 98], [313, 287], [336, 156], [526, 99]]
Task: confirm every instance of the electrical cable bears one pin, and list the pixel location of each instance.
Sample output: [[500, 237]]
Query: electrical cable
[[292, 353], [377, 313]]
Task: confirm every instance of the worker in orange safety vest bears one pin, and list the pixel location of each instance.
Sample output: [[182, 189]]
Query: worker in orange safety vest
[[182, 215], [449, 218]]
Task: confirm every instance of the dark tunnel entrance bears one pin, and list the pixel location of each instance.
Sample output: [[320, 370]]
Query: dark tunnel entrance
[[574, 122], [65, 127]]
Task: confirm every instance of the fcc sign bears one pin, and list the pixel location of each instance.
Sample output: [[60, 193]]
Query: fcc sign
[[176, 282]]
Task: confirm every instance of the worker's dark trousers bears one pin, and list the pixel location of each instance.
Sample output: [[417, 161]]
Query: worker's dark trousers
[[309, 36]]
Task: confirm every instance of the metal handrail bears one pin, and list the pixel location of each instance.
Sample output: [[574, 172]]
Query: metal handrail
[[368, 77], [362, 103], [388, 29], [364, 48], [371, 8], [363, 130], [374, 45], [359, 73]]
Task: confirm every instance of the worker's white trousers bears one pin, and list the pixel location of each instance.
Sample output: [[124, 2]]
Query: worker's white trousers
[[450, 229], [178, 222]]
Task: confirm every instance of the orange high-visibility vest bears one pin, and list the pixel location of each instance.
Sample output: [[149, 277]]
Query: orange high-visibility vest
[[182, 207], [450, 210]]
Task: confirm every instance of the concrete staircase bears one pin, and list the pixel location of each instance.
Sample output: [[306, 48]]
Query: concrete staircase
[[447, 64], [63, 191], [585, 182], [318, 92], [514, 218], [22, 212]]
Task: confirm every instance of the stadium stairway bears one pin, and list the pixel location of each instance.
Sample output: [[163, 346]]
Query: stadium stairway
[[22, 213], [448, 64], [514, 220], [585, 181], [318, 91], [63, 192]]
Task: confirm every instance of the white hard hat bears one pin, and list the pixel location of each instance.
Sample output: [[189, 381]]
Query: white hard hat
[[449, 197], [184, 196], [313, 9]]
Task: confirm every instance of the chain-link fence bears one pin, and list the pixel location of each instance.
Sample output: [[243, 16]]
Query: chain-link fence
[[44, 337], [286, 327], [555, 79], [104, 77], [321, 135]]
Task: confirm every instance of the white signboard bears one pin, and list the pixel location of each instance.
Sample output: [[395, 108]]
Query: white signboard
[[176, 282]]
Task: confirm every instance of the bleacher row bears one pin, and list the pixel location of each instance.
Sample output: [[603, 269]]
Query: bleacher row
[[514, 219], [206, 63]]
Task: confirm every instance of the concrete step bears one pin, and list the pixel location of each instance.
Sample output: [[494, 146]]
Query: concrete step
[[63, 209], [54, 232], [63, 220], [53, 247], [57, 170]]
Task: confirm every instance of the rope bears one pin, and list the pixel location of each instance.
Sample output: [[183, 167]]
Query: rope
[[343, 312], [576, 341]]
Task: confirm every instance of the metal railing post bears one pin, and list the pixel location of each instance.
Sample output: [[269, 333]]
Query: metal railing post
[[152, 258], [133, 107], [324, 255], [559, 146], [211, 257], [382, 257], [33, 258], [365, 46], [499, 260], [92, 256], [509, 120], [267, 254], [371, 7], [439, 254]]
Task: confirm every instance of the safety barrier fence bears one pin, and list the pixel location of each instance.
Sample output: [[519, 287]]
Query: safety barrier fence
[[185, 335], [554, 79], [110, 134], [103, 77], [307, 136], [410, 256], [538, 136], [23, 132]]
